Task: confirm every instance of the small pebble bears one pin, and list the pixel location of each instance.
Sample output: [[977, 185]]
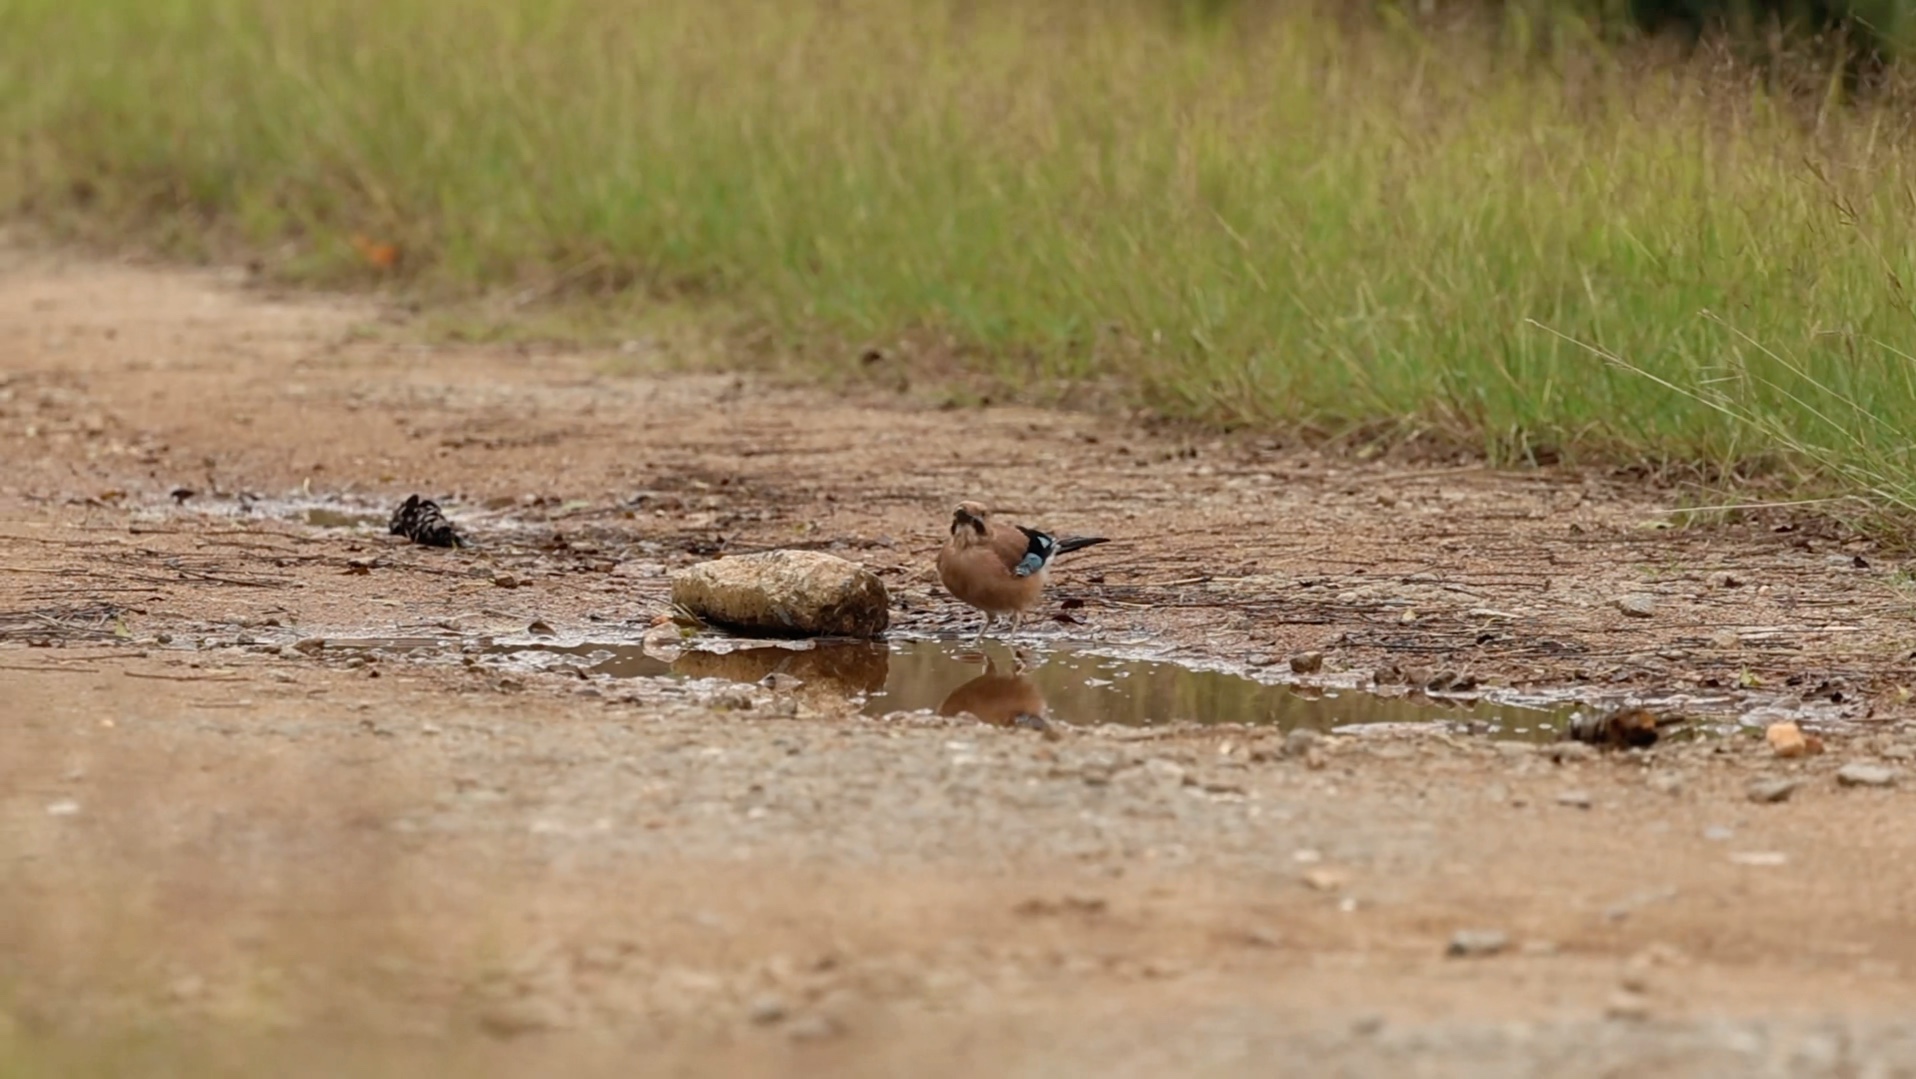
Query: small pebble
[[767, 1009], [186, 987], [1477, 942], [1570, 751], [1765, 791], [812, 1028], [1326, 879], [1637, 605], [1859, 774], [1670, 783], [515, 1017], [1301, 741], [1260, 937], [1624, 1004], [1575, 799]]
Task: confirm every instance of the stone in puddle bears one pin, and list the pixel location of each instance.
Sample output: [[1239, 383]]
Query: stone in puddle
[[1866, 775], [785, 593], [1307, 662]]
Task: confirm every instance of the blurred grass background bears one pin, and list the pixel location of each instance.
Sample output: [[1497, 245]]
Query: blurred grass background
[[1519, 227]]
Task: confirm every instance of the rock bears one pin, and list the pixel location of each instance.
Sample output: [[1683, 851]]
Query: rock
[[813, 1028], [1574, 799], [1477, 942], [1627, 1005], [1168, 772], [1307, 662], [1326, 879], [1259, 937], [1561, 752], [785, 593], [767, 1009], [186, 987], [1300, 741], [1670, 783], [1766, 791], [1786, 739], [1637, 605], [1859, 774], [527, 1015]]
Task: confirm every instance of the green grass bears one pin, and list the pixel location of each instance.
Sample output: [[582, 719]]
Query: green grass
[[1542, 249]]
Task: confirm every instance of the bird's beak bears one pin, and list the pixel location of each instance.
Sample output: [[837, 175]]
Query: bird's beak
[[963, 519]]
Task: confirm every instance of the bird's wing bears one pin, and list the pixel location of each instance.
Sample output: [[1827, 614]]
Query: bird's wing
[[1025, 550]]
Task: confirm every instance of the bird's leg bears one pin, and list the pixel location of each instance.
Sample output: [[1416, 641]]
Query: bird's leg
[[984, 629], [1016, 618]]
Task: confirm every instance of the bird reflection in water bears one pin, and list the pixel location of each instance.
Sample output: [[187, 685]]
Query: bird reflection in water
[[1000, 697]]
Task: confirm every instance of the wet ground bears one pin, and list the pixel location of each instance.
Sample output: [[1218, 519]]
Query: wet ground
[[277, 783]]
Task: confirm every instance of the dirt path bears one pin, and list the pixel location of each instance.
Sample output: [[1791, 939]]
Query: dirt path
[[212, 832]]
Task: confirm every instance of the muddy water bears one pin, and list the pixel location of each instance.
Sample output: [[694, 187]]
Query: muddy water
[[327, 517], [998, 685]]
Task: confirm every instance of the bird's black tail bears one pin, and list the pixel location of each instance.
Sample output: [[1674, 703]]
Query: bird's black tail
[[1073, 543]]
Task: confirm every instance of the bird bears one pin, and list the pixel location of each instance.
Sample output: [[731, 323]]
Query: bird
[[997, 567], [419, 520]]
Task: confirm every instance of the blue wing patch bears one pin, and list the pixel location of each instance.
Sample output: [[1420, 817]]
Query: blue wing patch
[[1037, 553]]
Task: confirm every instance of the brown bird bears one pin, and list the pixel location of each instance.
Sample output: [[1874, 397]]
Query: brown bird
[[999, 568]]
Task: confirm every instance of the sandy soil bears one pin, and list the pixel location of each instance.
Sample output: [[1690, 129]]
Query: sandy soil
[[219, 845]]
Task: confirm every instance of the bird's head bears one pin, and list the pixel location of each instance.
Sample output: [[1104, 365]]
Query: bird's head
[[969, 517]]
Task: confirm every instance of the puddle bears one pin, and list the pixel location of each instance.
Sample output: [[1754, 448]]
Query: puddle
[[323, 517], [1061, 684]]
